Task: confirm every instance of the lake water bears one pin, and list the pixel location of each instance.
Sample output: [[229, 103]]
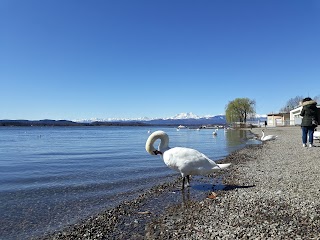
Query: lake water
[[54, 176]]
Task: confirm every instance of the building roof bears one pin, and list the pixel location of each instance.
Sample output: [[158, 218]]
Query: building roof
[[277, 114]]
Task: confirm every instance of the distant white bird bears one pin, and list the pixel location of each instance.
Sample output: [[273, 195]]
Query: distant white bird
[[187, 161], [215, 132], [268, 137], [316, 135]]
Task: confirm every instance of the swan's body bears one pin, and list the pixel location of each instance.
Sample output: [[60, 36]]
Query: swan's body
[[268, 137], [187, 161]]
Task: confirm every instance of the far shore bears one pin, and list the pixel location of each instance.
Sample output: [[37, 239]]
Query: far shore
[[67, 123]]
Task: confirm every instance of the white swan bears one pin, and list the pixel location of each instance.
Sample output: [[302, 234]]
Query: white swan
[[187, 161], [268, 137], [316, 135], [215, 132]]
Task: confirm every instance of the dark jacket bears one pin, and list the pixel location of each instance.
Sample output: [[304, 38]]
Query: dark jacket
[[309, 111]]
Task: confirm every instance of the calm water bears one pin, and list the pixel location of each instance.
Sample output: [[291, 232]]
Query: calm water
[[53, 176]]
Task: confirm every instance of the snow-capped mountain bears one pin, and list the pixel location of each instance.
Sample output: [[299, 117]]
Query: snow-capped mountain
[[189, 115], [261, 116], [189, 119], [179, 119], [185, 116], [219, 120]]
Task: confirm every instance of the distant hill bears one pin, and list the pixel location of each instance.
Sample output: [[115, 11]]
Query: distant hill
[[168, 122], [187, 119], [45, 122], [51, 123]]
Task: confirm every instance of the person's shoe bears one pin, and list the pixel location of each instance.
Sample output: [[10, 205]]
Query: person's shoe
[[304, 145], [310, 145]]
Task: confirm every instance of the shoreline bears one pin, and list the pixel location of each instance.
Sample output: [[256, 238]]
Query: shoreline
[[271, 190]]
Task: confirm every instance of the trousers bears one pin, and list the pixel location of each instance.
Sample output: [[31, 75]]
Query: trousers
[[307, 132]]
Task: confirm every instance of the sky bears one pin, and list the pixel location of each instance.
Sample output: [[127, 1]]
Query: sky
[[81, 59]]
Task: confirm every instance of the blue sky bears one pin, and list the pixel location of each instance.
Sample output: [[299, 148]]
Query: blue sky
[[76, 59]]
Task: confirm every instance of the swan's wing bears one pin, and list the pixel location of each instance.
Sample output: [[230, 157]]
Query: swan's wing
[[272, 137], [269, 137], [188, 160]]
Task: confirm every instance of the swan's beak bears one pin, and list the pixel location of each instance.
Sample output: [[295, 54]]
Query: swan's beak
[[156, 152]]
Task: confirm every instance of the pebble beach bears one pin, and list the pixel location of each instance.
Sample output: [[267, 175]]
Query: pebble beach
[[271, 191]]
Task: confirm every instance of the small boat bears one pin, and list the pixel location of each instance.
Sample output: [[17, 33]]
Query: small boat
[[181, 127]]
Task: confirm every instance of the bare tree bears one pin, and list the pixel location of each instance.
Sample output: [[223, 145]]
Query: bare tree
[[292, 103], [317, 98]]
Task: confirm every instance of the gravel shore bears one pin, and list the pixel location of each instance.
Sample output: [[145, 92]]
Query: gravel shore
[[271, 191]]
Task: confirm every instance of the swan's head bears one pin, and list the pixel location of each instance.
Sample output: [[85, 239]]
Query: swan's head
[[154, 137]]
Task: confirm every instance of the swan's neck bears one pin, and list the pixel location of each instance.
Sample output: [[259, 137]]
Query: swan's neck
[[164, 142]]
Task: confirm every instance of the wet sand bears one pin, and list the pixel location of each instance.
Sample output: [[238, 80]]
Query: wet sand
[[271, 191]]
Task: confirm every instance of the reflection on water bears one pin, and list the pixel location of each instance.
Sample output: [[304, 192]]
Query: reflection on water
[[234, 136]]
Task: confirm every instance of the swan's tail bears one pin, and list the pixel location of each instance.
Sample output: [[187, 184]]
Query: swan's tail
[[224, 165], [221, 166]]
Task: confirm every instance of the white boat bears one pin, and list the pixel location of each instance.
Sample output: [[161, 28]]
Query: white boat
[[181, 127]]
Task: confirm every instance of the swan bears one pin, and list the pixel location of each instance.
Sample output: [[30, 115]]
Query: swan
[[316, 135], [187, 161], [215, 133], [268, 137]]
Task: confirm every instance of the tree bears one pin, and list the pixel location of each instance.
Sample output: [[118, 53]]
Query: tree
[[240, 109], [292, 103]]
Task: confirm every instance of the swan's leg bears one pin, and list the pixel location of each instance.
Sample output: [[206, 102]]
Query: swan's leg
[[183, 180], [188, 180]]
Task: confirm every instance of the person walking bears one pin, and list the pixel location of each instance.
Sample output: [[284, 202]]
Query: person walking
[[309, 121]]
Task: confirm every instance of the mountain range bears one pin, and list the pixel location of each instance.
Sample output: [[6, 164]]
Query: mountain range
[[179, 119], [188, 119]]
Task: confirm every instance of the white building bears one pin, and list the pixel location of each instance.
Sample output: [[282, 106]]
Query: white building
[[278, 119]]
